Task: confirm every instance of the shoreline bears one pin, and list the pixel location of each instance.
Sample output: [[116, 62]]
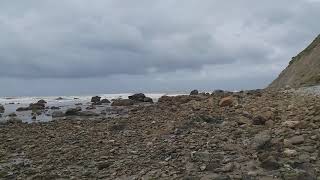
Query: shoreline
[[254, 134]]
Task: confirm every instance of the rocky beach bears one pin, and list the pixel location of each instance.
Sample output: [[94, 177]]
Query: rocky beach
[[256, 134]]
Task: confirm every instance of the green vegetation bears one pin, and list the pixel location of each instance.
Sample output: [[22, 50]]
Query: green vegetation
[[306, 51]]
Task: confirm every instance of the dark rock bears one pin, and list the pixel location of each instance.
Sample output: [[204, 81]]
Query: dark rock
[[12, 115], [54, 108], [122, 102], [14, 120], [105, 101], [270, 163], [23, 109], [87, 113], [41, 102], [59, 98], [57, 114], [37, 106], [148, 99], [73, 111], [137, 97], [2, 109], [34, 117], [261, 140], [95, 99], [194, 92], [259, 120]]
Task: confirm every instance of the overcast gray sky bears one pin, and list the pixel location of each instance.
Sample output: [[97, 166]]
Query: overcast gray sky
[[50, 47]]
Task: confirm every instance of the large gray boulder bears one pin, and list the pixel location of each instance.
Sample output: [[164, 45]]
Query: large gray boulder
[[2, 109]]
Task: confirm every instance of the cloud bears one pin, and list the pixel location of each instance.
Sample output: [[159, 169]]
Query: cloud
[[75, 39]]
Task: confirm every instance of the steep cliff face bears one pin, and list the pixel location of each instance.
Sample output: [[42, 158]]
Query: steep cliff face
[[303, 70]]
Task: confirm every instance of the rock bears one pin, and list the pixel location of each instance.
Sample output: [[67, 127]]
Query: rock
[[227, 101], [201, 156], [137, 97], [23, 109], [41, 102], [12, 115], [290, 152], [59, 98], [14, 120], [148, 99], [194, 92], [95, 99], [2, 109], [261, 140], [259, 120], [291, 124], [295, 140], [37, 106], [122, 102], [87, 113], [57, 114], [270, 163], [73, 111], [55, 108], [105, 101]]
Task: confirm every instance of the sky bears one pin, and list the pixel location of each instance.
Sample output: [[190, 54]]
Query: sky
[[75, 47]]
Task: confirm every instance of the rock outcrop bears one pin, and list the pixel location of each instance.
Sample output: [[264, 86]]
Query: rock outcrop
[[303, 69]]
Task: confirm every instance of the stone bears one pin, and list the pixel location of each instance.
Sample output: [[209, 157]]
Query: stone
[[23, 109], [296, 140], [122, 102], [291, 124], [105, 101], [59, 98], [270, 163], [290, 152], [261, 140], [95, 99], [73, 111], [148, 99], [226, 101], [137, 97], [57, 114], [41, 102], [2, 109], [12, 115], [259, 120], [87, 113], [14, 120], [194, 92], [55, 108]]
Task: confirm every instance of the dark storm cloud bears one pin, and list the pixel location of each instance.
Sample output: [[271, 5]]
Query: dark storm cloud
[[77, 38]]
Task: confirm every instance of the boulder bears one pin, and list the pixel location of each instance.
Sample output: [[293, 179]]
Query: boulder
[[12, 115], [37, 106], [95, 99], [57, 114], [259, 120], [87, 113], [41, 102], [73, 111], [12, 120], [122, 102], [148, 99], [295, 140], [1, 108], [23, 109], [137, 97], [194, 92], [226, 101], [54, 108], [105, 101], [59, 98], [261, 140]]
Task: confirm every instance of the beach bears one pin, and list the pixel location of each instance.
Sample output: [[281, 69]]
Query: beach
[[257, 134]]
